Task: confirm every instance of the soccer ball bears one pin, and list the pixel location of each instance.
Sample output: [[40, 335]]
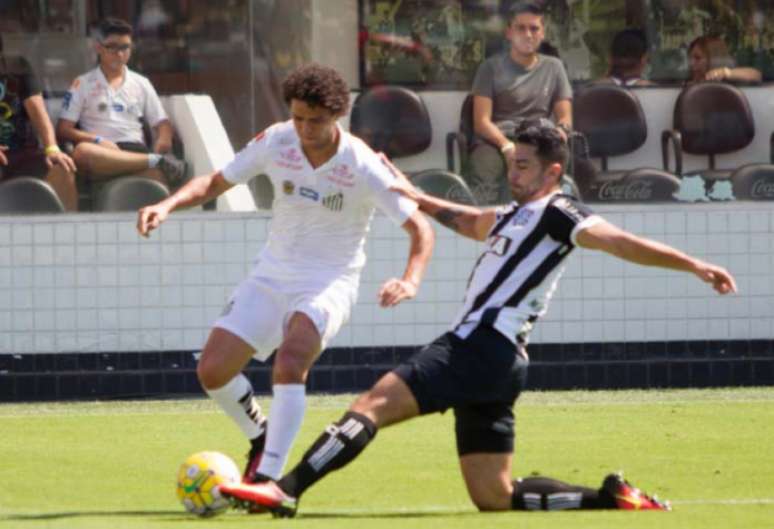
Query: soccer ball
[[198, 480]]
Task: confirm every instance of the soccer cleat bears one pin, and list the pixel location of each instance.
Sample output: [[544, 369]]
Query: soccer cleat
[[255, 454], [259, 496], [629, 497], [173, 169]]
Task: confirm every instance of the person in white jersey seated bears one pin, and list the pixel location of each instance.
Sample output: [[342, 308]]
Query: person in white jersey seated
[[305, 281], [478, 368], [103, 114]]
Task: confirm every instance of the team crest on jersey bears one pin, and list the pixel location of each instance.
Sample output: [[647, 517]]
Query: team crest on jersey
[[522, 217], [334, 201], [499, 245], [288, 187]]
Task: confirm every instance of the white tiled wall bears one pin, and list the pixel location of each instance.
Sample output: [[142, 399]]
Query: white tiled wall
[[90, 283]]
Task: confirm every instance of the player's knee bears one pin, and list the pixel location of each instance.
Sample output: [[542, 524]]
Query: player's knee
[[289, 367], [490, 499], [82, 154]]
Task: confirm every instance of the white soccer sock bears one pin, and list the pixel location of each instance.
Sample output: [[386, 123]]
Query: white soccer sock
[[286, 416], [237, 400], [153, 160]]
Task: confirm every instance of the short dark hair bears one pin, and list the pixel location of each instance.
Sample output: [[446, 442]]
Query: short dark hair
[[317, 85], [519, 8], [549, 145], [629, 43], [113, 26]]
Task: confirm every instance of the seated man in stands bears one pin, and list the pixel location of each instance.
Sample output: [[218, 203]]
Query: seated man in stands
[[510, 87], [22, 116], [108, 105], [628, 59]]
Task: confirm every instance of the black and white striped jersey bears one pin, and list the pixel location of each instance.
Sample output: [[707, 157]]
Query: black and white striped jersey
[[515, 277]]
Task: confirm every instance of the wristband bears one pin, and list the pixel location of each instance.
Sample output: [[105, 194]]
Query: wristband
[[507, 147], [97, 139], [51, 149]]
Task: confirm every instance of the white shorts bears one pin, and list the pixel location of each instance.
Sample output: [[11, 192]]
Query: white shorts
[[259, 310]]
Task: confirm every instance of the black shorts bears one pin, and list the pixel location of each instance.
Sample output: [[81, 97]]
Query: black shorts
[[479, 377], [133, 146]]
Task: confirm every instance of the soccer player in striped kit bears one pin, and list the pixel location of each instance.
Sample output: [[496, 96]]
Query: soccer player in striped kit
[[478, 368]]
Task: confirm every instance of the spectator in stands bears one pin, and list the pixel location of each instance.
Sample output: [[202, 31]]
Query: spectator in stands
[[710, 60], [23, 116], [510, 87], [628, 59], [103, 111]]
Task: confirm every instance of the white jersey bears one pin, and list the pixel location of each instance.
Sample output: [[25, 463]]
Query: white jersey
[[515, 277], [320, 216], [114, 114]]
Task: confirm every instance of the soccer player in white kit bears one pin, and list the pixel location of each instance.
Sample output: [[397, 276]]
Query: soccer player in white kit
[[305, 281]]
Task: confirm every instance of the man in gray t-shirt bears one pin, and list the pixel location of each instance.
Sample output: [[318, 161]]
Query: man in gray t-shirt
[[510, 87]]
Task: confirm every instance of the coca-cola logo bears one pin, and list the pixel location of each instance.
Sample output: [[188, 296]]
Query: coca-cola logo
[[762, 189], [642, 190]]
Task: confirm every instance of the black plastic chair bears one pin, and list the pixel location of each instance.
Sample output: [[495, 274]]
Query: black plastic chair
[[444, 184], [462, 139], [716, 118], [28, 195], [393, 120], [611, 120], [129, 193]]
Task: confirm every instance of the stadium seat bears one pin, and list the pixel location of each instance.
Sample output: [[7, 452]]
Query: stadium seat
[[612, 121], [393, 120], [129, 193], [27, 194], [715, 118], [444, 184], [462, 139]]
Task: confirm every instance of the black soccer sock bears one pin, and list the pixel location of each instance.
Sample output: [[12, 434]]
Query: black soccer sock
[[538, 493], [338, 445]]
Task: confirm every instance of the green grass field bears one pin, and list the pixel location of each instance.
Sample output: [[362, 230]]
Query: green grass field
[[113, 464]]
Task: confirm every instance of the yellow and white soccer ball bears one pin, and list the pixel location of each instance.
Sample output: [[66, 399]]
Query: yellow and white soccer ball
[[198, 482]]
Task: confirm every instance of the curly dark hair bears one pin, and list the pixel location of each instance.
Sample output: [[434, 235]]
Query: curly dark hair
[[317, 85], [549, 144]]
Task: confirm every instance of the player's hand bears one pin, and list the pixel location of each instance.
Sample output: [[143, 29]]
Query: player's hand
[[150, 217], [722, 281], [394, 291], [60, 158], [3, 159]]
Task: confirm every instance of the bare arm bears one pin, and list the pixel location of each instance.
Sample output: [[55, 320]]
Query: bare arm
[[620, 243], [164, 134], [483, 124], [67, 131], [196, 191], [563, 115], [471, 222], [744, 74], [422, 241], [36, 110]]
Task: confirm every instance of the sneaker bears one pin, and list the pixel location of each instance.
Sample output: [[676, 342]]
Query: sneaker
[[628, 497], [173, 169], [255, 454], [267, 495]]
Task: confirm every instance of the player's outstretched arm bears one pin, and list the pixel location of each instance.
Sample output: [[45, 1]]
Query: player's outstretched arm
[[466, 220], [615, 241], [394, 290], [196, 191]]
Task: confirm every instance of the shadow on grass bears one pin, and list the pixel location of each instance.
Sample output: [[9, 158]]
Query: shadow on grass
[[385, 514], [90, 514]]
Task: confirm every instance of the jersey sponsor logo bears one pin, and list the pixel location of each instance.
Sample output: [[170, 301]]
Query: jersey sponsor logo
[[291, 155], [341, 175], [288, 187], [334, 201], [118, 107], [499, 245], [309, 193], [569, 209], [65, 100]]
